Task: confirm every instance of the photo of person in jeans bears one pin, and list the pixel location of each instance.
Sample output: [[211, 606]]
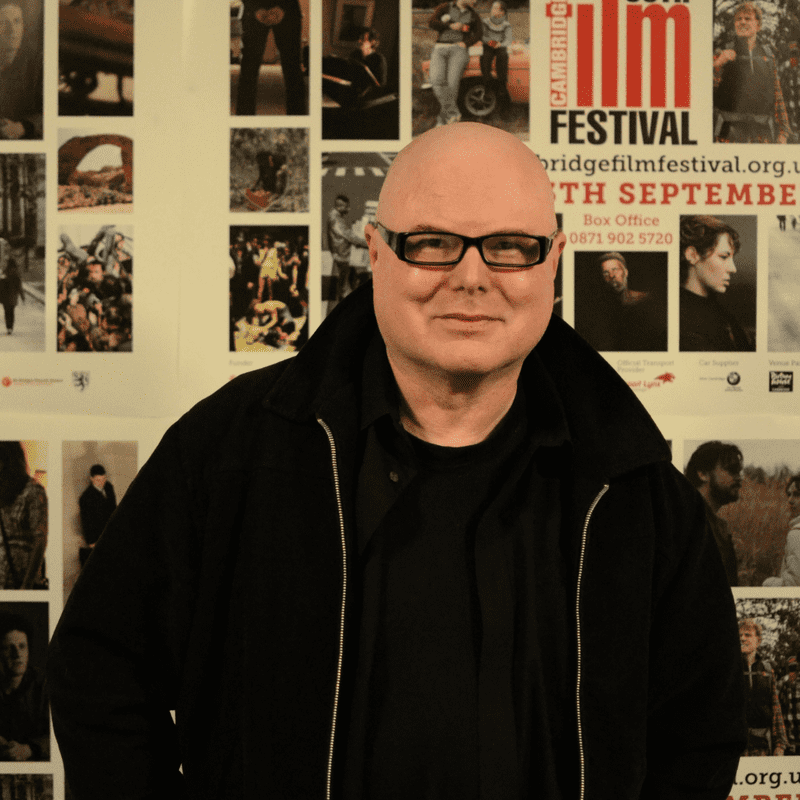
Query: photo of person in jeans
[[497, 37], [459, 27]]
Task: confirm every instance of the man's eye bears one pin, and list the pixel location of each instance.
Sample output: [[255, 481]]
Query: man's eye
[[430, 242]]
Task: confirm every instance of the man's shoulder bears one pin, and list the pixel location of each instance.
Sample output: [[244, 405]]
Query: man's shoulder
[[607, 422]]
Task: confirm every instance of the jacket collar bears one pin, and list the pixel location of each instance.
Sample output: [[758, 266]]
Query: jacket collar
[[611, 431]]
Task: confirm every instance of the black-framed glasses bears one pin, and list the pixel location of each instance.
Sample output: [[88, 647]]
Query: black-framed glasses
[[441, 249]]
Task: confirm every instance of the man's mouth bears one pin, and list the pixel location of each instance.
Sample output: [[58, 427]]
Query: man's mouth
[[469, 317]]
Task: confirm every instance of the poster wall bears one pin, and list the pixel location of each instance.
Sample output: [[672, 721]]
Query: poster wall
[[239, 158]]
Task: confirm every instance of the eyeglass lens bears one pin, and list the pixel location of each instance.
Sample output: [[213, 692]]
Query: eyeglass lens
[[500, 250]]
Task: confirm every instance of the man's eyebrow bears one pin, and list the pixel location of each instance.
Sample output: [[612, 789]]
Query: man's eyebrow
[[433, 229]]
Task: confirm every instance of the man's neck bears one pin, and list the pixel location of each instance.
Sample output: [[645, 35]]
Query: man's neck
[[712, 504], [11, 684], [453, 411]]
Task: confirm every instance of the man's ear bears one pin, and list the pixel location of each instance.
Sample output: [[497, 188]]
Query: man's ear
[[691, 255], [705, 477], [371, 235], [559, 243]]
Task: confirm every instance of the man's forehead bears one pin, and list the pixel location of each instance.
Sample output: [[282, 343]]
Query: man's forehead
[[11, 11], [457, 168]]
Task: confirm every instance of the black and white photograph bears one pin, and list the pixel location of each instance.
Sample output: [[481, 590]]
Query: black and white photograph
[[23, 515], [95, 172], [95, 58], [22, 253], [26, 787], [756, 86], [351, 184], [621, 300], [783, 291], [95, 289], [24, 707], [471, 61], [751, 489], [717, 283], [360, 69], [95, 477], [269, 169], [21, 69], [268, 296], [269, 57]]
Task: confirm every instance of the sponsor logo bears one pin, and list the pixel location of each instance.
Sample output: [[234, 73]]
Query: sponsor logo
[[80, 380], [654, 383], [734, 379], [781, 381]]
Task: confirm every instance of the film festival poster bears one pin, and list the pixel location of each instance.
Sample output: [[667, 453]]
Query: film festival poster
[[642, 145], [621, 106]]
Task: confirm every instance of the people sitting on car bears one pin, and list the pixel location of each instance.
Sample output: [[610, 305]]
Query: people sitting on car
[[497, 37]]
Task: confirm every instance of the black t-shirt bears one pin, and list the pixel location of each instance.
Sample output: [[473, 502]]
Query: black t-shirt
[[442, 690]]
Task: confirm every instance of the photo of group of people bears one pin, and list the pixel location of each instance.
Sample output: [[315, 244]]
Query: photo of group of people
[[269, 169], [268, 287], [752, 493], [769, 631], [471, 60], [95, 289]]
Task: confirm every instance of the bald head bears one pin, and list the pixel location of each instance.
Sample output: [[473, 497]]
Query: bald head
[[469, 317], [462, 165]]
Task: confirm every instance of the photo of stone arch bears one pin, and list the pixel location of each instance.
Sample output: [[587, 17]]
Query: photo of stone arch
[[95, 172]]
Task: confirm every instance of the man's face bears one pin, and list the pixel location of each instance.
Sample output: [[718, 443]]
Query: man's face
[[749, 640], [468, 319], [342, 206], [99, 481], [95, 271], [793, 496], [14, 654], [11, 30], [724, 484], [746, 24], [615, 275], [366, 46]]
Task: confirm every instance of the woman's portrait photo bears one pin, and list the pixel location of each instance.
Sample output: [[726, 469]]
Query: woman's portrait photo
[[718, 283], [23, 515]]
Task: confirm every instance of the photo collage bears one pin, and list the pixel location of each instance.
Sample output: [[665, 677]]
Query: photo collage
[[667, 131]]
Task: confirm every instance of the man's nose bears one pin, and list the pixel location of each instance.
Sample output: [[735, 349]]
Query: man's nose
[[471, 272]]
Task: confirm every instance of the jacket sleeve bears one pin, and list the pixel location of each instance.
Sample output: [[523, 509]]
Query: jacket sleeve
[[475, 32], [696, 719], [790, 574], [117, 652], [435, 21]]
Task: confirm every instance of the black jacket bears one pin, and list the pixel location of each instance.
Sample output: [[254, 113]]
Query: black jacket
[[96, 508], [218, 589]]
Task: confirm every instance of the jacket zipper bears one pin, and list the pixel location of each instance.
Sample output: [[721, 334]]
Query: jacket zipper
[[584, 538], [338, 683]]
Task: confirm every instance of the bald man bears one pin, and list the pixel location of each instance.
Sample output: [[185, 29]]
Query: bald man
[[441, 553]]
